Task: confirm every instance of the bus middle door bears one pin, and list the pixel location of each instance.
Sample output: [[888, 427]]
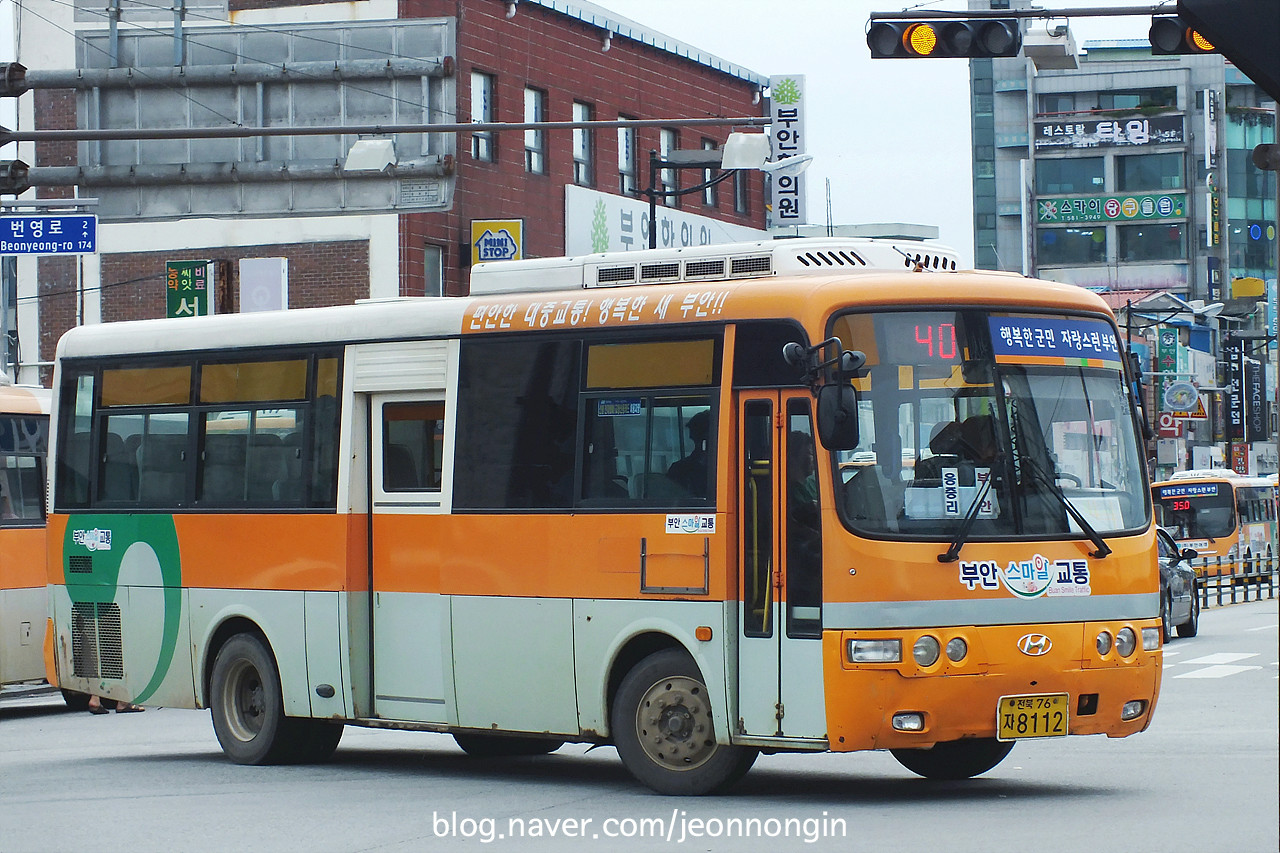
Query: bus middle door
[[780, 691]]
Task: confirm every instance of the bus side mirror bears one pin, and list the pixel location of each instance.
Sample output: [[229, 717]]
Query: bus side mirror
[[838, 416]]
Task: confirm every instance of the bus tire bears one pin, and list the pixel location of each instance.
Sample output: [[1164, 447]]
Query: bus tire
[[498, 746], [954, 759], [663, 729], [314, 740], [1192, 626], [247, 706]]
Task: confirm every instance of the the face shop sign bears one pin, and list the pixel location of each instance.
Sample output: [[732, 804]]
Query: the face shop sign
[[1160, 130]]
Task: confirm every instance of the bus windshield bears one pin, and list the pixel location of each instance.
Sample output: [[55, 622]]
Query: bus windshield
[[1197, 510], [989, 424]]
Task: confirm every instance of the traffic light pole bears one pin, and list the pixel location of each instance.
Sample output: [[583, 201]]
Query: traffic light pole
[[1082, 12]]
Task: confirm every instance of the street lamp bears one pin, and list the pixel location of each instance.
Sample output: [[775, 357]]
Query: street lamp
[[740, 151]]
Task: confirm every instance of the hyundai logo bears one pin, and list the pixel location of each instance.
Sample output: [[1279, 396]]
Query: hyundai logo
[[1034, 644]]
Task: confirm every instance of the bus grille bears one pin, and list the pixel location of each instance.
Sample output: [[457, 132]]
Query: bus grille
[[80, 564], [96, 647]]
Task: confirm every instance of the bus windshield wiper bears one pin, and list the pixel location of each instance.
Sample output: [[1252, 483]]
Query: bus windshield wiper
[[953, 552], [1102, 549]]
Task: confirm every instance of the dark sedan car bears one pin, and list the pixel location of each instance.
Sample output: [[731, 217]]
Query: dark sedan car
[[1179, 603]]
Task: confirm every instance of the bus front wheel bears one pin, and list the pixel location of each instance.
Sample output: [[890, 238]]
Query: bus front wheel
[[663, 729], [247, 707], [955, 759]]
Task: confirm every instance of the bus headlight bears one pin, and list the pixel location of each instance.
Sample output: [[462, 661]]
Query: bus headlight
[[926, 650], [957, 648], [1103, 642], [1150, 639], [1126, 642], [1133, 709], [875, 651]]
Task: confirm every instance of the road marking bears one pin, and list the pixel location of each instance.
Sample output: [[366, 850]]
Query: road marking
[[1270, 627], [1217, 671], [1221, 657]]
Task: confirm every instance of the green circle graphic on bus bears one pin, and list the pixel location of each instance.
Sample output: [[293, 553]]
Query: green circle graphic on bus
[[132, 561]]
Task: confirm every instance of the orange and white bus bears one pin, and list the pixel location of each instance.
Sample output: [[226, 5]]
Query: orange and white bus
[[24, 440], [1219, 513], [606, 500]]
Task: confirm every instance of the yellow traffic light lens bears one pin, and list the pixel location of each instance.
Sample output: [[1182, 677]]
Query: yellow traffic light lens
[[1199, 42], [920, 39]]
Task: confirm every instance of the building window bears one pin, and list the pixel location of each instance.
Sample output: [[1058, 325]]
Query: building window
[[667, 142], [583, 146], [1069, 175], [482, 110], [1149, 172], [535, 139], [1151, 241], [709, 196], [1165, 96], [626, 159], [1057, 102], [1056, 246], [433, 270]]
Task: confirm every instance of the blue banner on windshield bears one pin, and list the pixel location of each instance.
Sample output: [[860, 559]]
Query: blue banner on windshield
[[1054, 340]]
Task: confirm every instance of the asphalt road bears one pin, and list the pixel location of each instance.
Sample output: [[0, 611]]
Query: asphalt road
[[1203, 778]]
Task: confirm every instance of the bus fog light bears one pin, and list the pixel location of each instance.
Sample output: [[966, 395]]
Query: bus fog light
[[1103, 642], [957, 648], [875, 651], [1150, 639], [925, 651], [1132, 710], [1126, 642], [908, 721]]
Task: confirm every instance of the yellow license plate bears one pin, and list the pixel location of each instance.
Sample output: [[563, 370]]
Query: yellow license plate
[[1019, 717]]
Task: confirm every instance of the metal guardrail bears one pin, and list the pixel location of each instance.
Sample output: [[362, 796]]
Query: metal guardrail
[[1223, 581]]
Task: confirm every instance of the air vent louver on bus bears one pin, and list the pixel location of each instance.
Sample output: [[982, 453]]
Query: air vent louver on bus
[[660, 272], [704, 269], [751, 265], [929, 262], [616, 275], [96, 648], [80, 564], [831, 259]]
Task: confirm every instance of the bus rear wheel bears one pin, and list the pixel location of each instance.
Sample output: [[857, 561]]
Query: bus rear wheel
[[663, 729], [247, 707], [955, 759]]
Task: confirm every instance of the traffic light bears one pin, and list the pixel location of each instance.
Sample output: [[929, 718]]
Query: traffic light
[[1267, 157], [13, 79], [1170, 34], [978, 38], [13, 177]]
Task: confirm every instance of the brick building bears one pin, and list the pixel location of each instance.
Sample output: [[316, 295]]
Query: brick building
[[405, 231]]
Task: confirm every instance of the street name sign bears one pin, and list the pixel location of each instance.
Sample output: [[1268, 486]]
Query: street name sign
[[49, 234]]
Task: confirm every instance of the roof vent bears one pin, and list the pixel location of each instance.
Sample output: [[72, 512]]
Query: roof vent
[[704, 269], [751, 265], [667, 271], [616, 275]]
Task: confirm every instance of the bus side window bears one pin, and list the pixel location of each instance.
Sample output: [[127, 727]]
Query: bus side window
[[412, 446]]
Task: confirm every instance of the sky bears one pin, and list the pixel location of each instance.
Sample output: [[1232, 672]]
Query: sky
[[891, 136]]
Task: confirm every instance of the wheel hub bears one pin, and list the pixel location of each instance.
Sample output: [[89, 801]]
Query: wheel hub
[[673, 721]]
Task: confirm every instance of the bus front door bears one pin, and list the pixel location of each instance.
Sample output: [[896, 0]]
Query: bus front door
[[780, 631], [411, 628]]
